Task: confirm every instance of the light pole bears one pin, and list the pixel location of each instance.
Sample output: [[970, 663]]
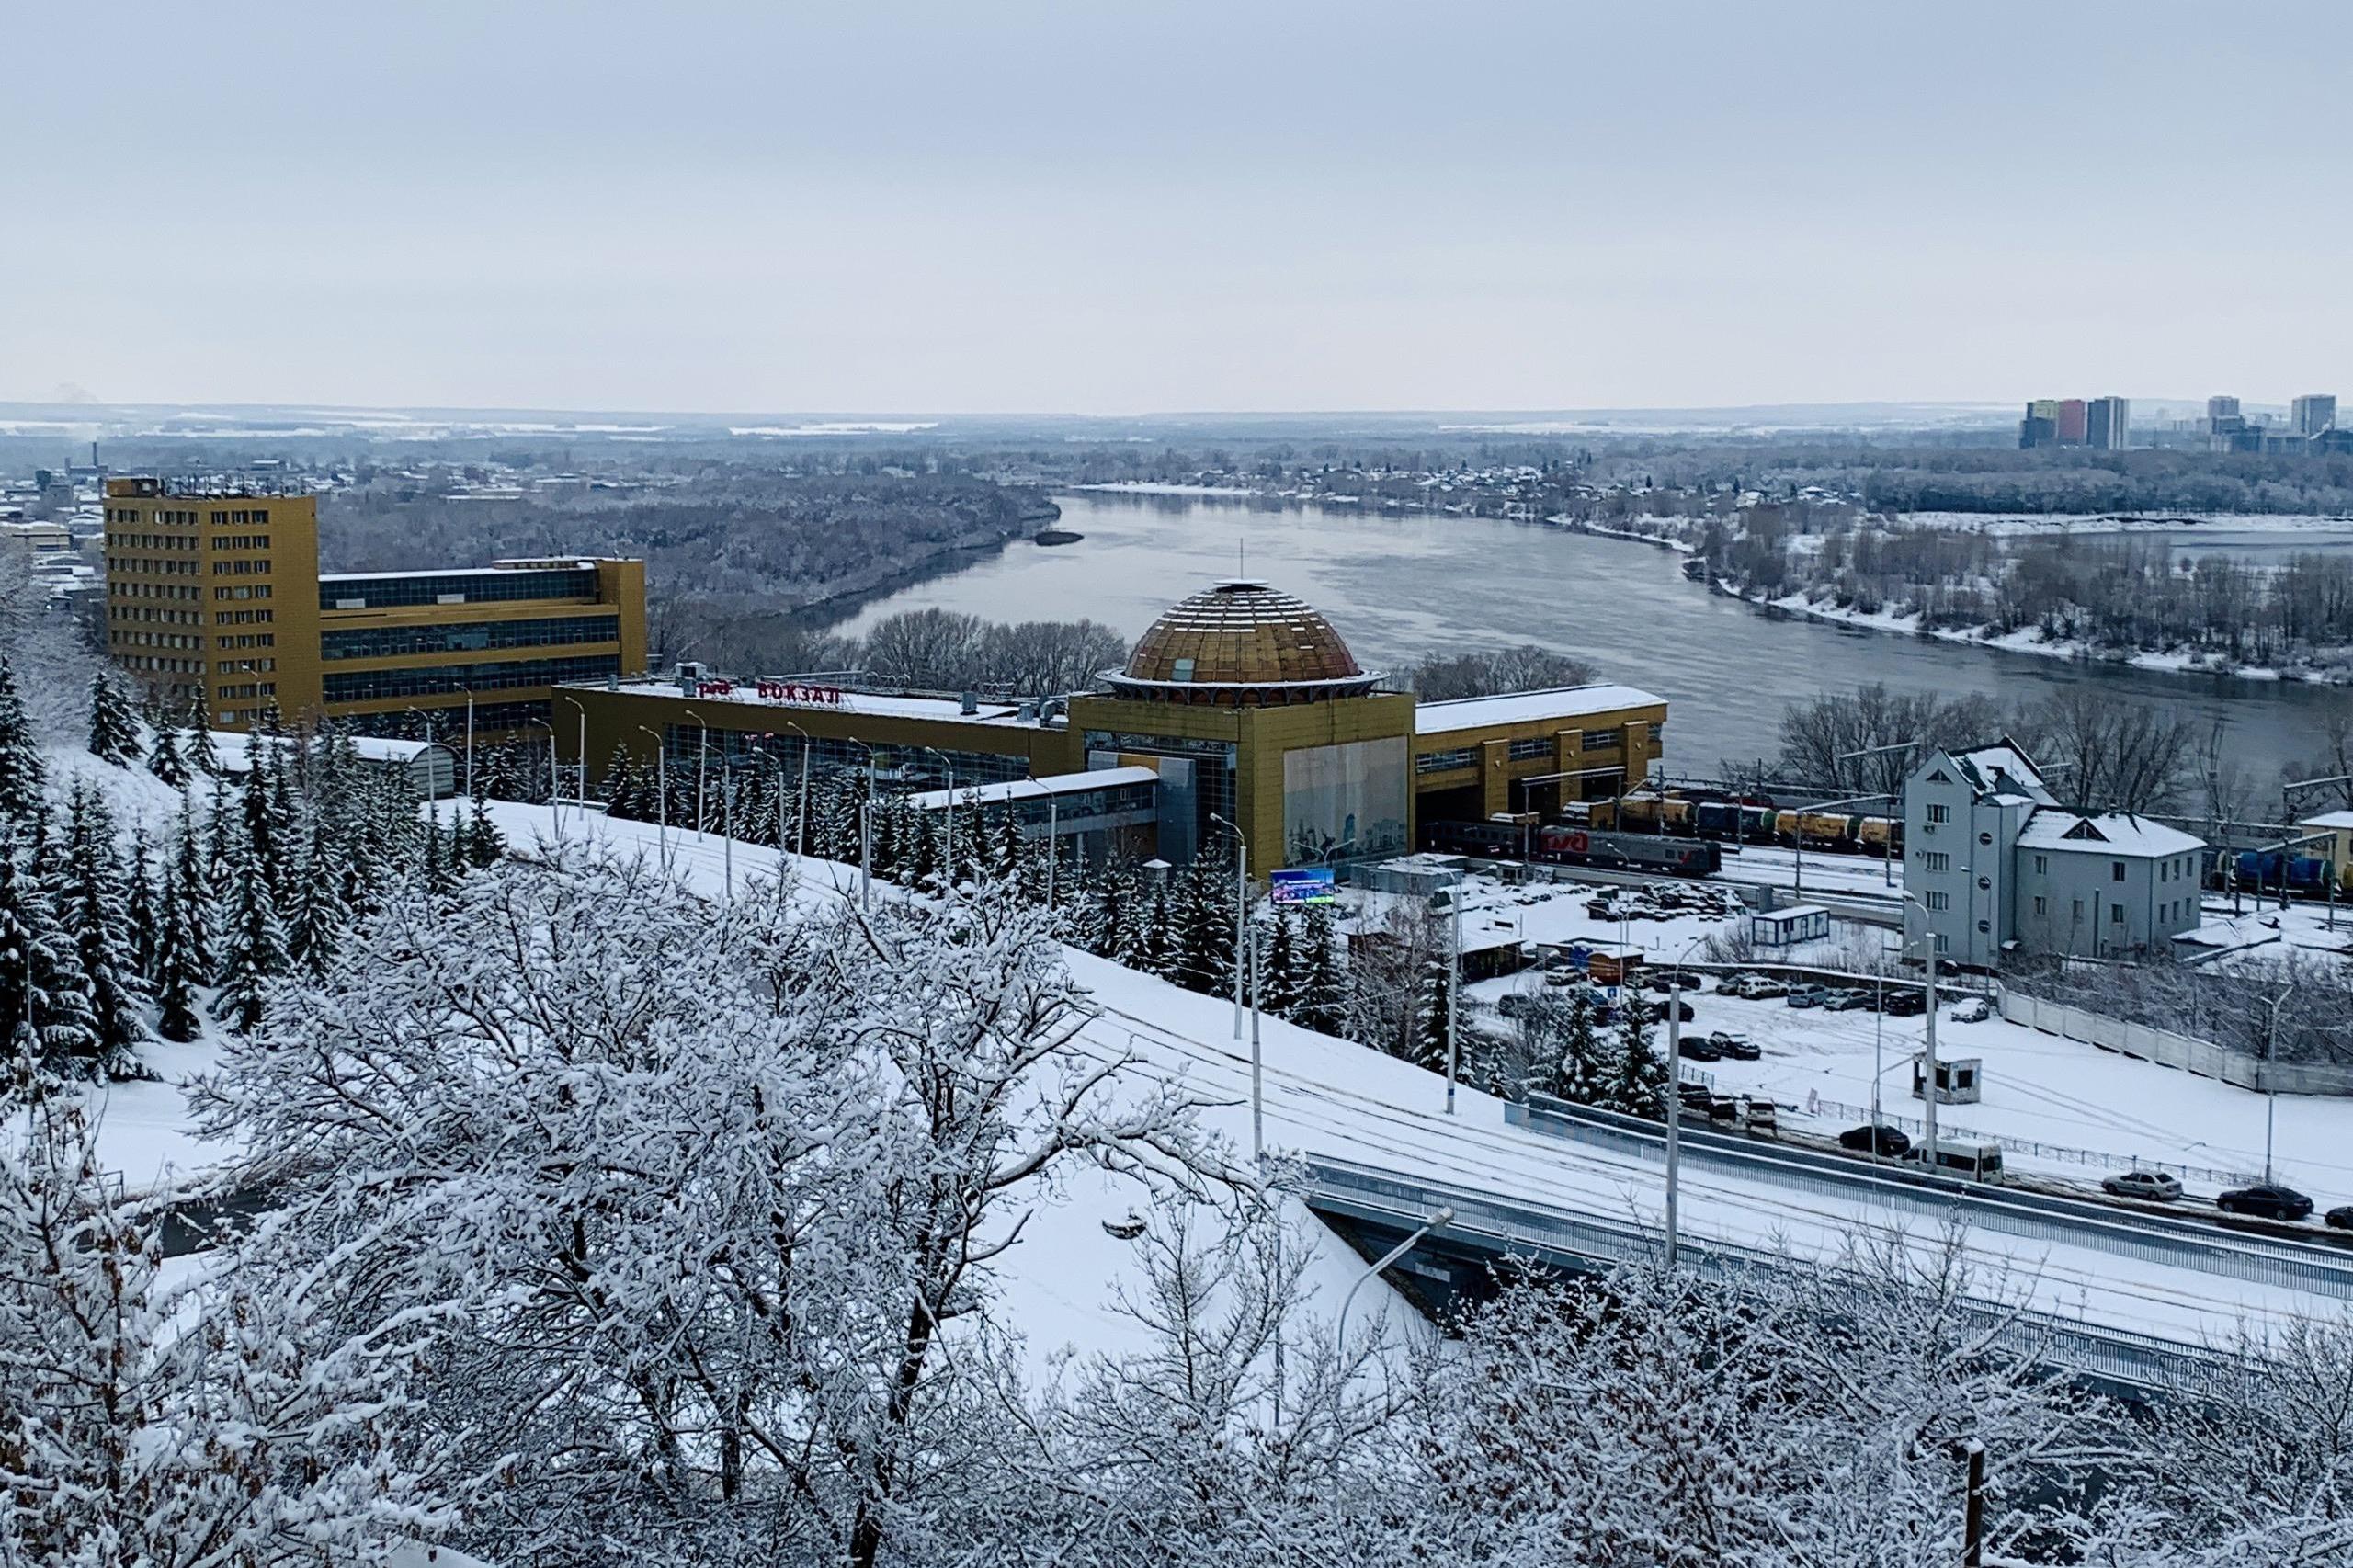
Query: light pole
[[800, 827], [1928, 1077], [949, 769], [661, 793], [702, 764], [1896, 803], [2271, 1090], [1674, 1106], [581, 761], [470, 746], [1241, 910], [1453, 988], [432, 815], [777, 763], [866, 835], [1340, 1329]]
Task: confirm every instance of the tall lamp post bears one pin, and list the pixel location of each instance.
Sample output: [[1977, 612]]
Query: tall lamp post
[[1674, 1106], [1928, 1077], [1241, 910], [702, 765], [949, 769], [2270, 1090], [432, 814], [555, 792], [1241, 937], [764, 755], [866, 834], [661, 793], [581, 761], [1340, 1329], [800, 827]]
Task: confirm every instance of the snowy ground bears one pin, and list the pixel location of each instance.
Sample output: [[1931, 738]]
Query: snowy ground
[[2024, 524]]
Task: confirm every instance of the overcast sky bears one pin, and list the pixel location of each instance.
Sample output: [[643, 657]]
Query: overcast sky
[[1116, 207]]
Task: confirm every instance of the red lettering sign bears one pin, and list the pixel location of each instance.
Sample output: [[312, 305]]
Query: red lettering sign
[[714, 687]]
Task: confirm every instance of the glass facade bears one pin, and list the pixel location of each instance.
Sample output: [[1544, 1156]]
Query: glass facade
[[462, 588], [364, 686], [896, 767], [1445, 761], [398, 642], [448, 723], [1532, 748], [1213, 782]]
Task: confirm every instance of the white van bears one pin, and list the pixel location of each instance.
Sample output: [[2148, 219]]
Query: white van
[[1975, 1162]]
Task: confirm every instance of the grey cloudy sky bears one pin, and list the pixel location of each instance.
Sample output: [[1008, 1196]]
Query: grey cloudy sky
[[1127, 208]]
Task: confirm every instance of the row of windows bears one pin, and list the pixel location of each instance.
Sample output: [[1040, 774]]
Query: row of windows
[[1445, 761], [243, 666], [153, 640], [259, 591], [241, 569], [129, 615], [247, 692], [243, 617], [153, 591], [1530, 749], [459, 588], [265, 640], [902, 766], [152, 541], [365, 685], [400, 641], [124, 565], [1935, 861], [167, 517], [153, 661], [241, 541], [447, 725], [1602, 740]]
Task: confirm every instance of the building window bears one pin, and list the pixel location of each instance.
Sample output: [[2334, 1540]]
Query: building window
[[398, 642], [1939, 901], [1531, 749], [1600, 740], [456, 587], [1939, 814], [2042, 905], [2116, 870], [1935, 861], [371, 684], [1445, 761], [1944, 944], [2116, 914], [2042, 865]]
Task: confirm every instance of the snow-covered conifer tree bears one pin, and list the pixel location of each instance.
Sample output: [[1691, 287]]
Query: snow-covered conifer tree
[[253, 947], [140, 906], [23, 777], [1321, 1003], [1279, 963], [164, 758], [114, 727], [314, 930], [94, 912], [178, 964]]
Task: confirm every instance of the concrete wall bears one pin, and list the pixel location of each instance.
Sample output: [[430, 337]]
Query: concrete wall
[[2082, 900]]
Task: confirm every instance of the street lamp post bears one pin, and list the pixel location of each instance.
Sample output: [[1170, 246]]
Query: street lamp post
[[662, 793], [1241, 910], [1340, 1329], [866, 834], [1453, 990], [800, 828], [702, 765], [1674, 1106], [2270, 1089], [777, 763], [555, 792], [582, 760], [1928, 1065]]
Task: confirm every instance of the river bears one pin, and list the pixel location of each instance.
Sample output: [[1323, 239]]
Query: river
[[1399, 586]]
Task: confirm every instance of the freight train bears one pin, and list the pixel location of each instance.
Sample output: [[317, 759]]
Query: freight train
[[1758, 821], [1575, 846], [2262, 870]]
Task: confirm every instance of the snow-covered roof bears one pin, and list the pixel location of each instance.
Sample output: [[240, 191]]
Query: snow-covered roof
[[566, 564], [232, 749], [2004, 769], [1794, 911], [871, 704], [2116, 833], [1035, 788], [2339, 821], [1529, 707]]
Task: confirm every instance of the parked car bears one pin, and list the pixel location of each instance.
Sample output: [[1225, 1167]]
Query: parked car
[[1905, 1004], [2265, 1200], [1892, 1140], [1698, 1047], [1656, 1011], [2341, 1217], [1562, 977], [1975, 1010], [2157, 1187], [1846, 1001], [1736, 1046], [1764, 988], [1807, 996], [1764, 1116], [1517, 1004]]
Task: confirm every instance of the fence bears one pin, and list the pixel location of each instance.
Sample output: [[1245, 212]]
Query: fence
[[2167, 1049], [2092, 1158]]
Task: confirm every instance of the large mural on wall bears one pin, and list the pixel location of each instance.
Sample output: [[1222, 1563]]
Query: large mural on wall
[[1345, 801]]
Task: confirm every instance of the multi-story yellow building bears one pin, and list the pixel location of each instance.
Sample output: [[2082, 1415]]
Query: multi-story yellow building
[[214, 595]]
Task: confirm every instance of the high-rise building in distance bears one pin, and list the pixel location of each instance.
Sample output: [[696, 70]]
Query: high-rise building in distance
[[2108, 424], [2219, 409], [2313, 412], [2071, 422]]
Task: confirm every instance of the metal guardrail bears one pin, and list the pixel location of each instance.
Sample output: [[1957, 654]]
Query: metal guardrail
[[1514, 1230], [2176, 1244], [2094, 1158]]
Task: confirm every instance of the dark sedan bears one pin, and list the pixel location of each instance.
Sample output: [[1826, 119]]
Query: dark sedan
[[2265, 1200]]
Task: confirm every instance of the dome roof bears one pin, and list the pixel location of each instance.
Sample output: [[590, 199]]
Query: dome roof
[[1241, 642]]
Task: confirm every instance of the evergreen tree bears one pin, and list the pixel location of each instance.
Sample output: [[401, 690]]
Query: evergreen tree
[[179, 966], [1564, 1048], [1320, 1003], [1201, 920], [114, 728], [254, 949], [138, 903], [1004, 849], [1637, 1081], [191, 895], [1279, 964], [62, 1017], [93, 912], [1156, 946], [164, 758], [19, 923], [315, 934], [624, 791], [1434, 1007], [485, 845], [22, 776], [197, 744]]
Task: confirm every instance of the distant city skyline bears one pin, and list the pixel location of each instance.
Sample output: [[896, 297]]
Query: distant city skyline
[[1046, 209]]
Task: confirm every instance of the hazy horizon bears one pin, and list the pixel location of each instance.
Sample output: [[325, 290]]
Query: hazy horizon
[[907, 210]]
